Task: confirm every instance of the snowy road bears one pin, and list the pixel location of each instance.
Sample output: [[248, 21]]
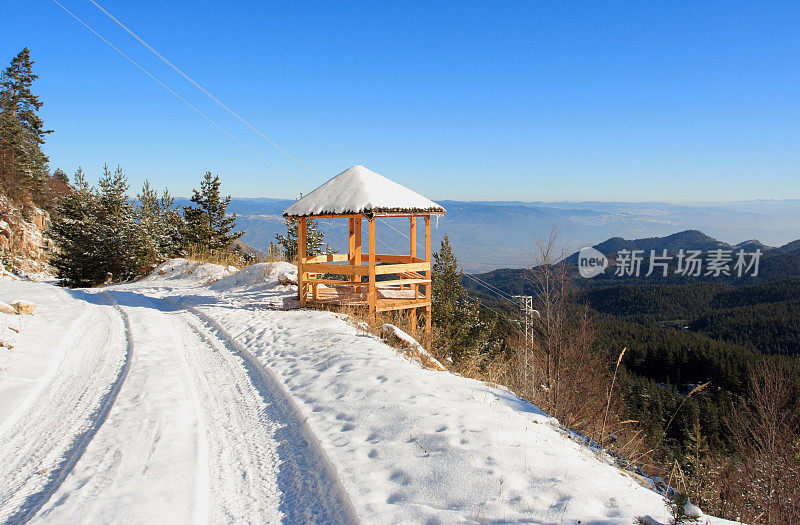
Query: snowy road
[[146, 398], [198, 395]]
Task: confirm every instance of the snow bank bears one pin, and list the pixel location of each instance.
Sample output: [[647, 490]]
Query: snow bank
[[259, 276], [185, 270]]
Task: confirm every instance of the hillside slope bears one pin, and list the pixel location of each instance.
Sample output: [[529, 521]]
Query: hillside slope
[[211, 402]]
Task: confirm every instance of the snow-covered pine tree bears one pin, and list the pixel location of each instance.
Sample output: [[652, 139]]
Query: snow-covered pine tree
[[173, 226], [78, 259], [117, 235], [23, 165], [158, 227], [207, 225], [315, 239]]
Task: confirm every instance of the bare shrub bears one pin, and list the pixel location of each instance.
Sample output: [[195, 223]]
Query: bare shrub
[[762, 482]]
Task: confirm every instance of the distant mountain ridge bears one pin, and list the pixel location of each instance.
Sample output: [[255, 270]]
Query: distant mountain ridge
[[685, 240], [489, 235], [777, 263]]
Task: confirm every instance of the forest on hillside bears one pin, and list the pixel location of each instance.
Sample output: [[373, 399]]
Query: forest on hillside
[[709, 368]]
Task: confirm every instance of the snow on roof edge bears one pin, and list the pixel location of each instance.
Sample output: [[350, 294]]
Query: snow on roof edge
[[359, 190]]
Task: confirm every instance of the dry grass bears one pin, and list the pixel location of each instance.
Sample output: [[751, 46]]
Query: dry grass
[[225, 257]]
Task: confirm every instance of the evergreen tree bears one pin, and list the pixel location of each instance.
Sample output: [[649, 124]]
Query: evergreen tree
[[453, 312], [158, 227], [75, 229], [117, 235], [23, 165], [98, 232], [695, 460], [174, 225], [59, 175], [448, 291], [315, 239], [207, 224]]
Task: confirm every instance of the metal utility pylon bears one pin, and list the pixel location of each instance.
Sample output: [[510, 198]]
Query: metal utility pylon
[[526, 304], [528, 313]]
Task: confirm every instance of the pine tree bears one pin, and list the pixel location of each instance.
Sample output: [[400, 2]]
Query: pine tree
[[158, 227], [315, 239], [458, 317], [174, 226], [59, 175], [23, 165], [695, 460], [448, 290], [207, 225], [117, 235], [75, 230]]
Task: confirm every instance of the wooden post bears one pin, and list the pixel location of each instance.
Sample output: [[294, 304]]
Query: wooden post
[[412, 236], [372, 292], [428, 288], [301, 258], [351, 250], [357, 247]]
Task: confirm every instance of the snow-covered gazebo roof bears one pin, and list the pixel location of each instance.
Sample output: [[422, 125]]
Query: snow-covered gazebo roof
[[359, 190]]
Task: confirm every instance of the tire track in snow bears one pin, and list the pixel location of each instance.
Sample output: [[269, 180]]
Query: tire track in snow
[[242, 456], [309, 489], [61, 422]]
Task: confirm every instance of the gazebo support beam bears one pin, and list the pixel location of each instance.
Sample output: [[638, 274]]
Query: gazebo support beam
[[372, 291], [301, 259], [351, 246], [412, 237], [357, 253], [428, 290]]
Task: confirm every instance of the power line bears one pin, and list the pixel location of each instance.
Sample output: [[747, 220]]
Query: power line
[[132, 61], [215, 99], [202, 89], [508, 297]]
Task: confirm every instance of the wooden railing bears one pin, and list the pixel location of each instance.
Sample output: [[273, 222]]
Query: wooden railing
[[406, 267]]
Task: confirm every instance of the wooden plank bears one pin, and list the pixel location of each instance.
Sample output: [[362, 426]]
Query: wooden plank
[[301, 257], [327, 257], [334, 282], [406, 214], [376, 214], [400, 268], [336, 269], [395, 282], [334, 216], [385, 305], [393, 258], [372, 293]]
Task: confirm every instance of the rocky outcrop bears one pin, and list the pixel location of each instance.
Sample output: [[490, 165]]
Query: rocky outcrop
[[24, 244]]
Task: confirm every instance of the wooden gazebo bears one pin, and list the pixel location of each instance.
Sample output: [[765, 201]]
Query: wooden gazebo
[[372, 281]]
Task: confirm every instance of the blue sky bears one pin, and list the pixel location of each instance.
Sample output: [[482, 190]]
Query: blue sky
[[537, 101]]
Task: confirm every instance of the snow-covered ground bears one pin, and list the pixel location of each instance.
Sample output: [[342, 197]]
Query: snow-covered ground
[[200, 395]]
